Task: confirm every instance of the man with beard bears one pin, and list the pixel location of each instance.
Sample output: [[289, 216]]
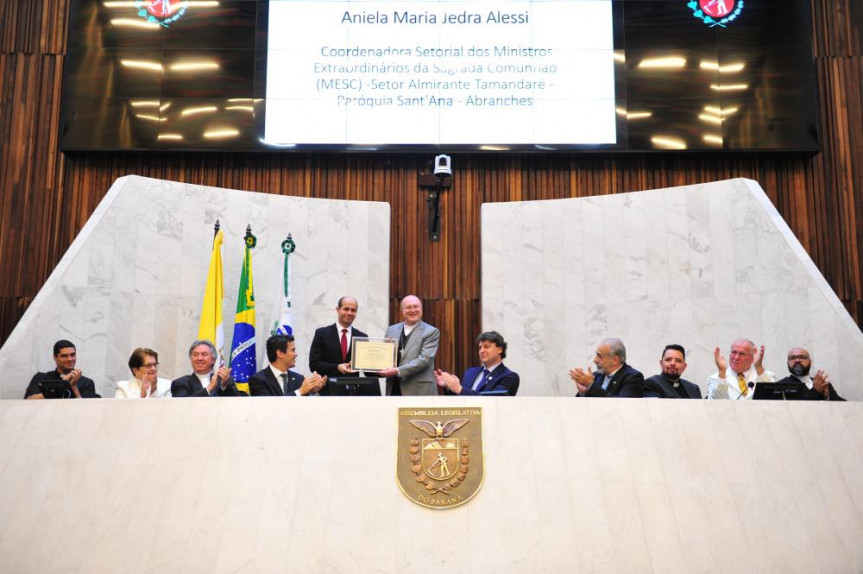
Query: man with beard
[[668, 384], [818, 388], [736, 379], [613, 377]]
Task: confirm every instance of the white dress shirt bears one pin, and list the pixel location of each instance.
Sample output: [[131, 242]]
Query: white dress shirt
[[729, 389]]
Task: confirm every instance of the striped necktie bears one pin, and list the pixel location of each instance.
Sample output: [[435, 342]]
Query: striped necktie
[[741, 382]]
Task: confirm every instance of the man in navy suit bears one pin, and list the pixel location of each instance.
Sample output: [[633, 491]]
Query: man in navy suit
[[669, 384], [330, 354], [277, 379], [491, 379], [613, 377]]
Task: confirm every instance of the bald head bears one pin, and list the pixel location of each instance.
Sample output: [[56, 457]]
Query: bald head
[[799, 361], [412, 310], [742, 355]]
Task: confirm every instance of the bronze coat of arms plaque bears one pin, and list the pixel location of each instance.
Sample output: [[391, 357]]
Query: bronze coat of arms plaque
[[439, 462]]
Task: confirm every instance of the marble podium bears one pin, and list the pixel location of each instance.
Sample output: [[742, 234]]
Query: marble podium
[[270, 484], [135, 276], [698, 265]]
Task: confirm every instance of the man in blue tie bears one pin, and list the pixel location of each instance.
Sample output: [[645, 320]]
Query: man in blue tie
[[613, 377], [491, 379]]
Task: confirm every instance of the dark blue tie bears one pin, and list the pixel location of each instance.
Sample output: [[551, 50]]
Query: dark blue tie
[[480, 383]]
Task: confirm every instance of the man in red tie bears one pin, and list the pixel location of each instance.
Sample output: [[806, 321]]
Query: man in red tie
[[330, 354]]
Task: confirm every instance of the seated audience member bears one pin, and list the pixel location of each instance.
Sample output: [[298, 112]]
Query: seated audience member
[[492, 378], [818, 388], [77, 386], [277, 379], [204, 381], [746, 370], [613, 377], [145, 382], [669, 384]]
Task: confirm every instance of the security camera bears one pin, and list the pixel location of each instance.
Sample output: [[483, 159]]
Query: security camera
[[442, 165]]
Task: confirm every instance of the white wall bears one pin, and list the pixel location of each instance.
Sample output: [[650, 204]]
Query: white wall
[[135, 276], [698, 265], [273, 484]]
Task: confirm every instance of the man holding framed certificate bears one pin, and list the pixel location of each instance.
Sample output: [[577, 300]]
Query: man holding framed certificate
[[416, 348]]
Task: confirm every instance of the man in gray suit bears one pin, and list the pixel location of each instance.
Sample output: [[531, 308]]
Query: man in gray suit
[[417, 347]]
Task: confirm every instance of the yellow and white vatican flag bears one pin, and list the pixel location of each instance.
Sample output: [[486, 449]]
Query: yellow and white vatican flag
[[211, 327]]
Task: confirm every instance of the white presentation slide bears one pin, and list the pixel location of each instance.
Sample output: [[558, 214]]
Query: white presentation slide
[[449, 72]]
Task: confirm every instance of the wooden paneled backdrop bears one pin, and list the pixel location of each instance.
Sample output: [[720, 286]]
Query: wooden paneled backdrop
[[45, 197]]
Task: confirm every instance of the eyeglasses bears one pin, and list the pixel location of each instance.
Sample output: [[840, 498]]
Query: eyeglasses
[[150, 365], [798, 358]]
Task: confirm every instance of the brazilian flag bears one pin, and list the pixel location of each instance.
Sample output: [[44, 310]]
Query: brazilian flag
[[243, 356]]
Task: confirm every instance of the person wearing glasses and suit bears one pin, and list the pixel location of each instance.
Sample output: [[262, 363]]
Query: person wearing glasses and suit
[[417, 347]]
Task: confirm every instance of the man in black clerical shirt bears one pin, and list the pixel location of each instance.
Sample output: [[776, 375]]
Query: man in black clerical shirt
[[330, 354], [669, 384], [818, 387], [73, 385], [206, 380]]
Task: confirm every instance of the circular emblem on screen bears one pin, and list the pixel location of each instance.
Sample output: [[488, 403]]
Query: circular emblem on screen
[[716, 12], [162, 12]]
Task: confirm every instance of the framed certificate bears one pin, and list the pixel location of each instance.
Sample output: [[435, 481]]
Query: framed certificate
[[369, 354]]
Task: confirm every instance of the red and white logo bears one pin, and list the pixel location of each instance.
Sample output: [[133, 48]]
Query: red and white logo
[[717, 8], [161, 8], [162, 12]]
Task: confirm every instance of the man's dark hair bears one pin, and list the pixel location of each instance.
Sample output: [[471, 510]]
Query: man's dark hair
[[277, 343], [494, 338], [674, 347], [62, 344], [140, 355]]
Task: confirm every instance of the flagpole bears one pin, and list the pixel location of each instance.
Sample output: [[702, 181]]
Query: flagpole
[[284, 319]]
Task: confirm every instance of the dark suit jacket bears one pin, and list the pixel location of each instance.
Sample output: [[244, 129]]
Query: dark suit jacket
[[626, 383], [501, 382], [86, 386], [811, 394], [265, 384], [658, 386], [190, 386], [326, 352]]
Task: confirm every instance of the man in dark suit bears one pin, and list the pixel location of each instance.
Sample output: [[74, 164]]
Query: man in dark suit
[[330, 355], [669, 384], [492, 378], [613, 377], [74, 384], [818, 388], [204, 380], [277, 380]]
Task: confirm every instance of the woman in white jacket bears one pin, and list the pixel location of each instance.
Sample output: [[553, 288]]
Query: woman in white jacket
[[145, 382]]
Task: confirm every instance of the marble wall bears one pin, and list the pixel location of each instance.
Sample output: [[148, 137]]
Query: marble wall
[[135, 276], [275, 484], [698, 265]]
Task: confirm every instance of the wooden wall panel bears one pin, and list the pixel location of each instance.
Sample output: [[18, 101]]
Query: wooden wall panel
[[45, 197]]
